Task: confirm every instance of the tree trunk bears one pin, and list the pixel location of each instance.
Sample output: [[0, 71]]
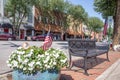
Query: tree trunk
[[14, 25], [116, 38]]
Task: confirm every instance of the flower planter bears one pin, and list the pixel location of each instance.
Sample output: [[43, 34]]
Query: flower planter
[[47, 75], [33, 59]]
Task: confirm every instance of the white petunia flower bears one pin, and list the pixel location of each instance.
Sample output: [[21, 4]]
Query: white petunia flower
[[48, 57], [21, 66], [48, 66], [19, 47], [31, 64], [63, 61], [24, 68], [28, 55], [46, 53], [15, 63], [54, 63], [38, 63], [31, 50], [19, 59], [45, 61], [30, 68], [57, 55], [9, 65], [26, 60]]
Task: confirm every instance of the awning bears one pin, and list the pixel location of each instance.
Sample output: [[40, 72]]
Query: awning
[[6, 25]]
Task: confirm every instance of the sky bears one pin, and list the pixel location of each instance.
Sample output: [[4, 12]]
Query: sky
[[88, 6]]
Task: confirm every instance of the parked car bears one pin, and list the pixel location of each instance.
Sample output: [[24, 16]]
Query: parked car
[[7, 36], [39, 37]]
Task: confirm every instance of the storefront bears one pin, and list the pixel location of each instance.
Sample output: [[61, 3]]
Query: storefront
[[6, 28], [25, 32]]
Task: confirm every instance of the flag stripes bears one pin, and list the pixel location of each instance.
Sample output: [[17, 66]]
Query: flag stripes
[[47, 42]]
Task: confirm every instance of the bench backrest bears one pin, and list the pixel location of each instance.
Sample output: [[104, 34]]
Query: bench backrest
[[81, 44]]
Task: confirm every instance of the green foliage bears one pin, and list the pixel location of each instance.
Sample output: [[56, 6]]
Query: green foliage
[[105, 7], [95, 24], [51, 8], [32, 59], [77, 12], [18, 10], [18, 6], [76, 16]]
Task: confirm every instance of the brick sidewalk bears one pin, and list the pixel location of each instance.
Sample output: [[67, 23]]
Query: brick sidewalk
[[95, 70]]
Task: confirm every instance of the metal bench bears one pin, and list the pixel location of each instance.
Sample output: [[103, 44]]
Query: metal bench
[[86, 49]]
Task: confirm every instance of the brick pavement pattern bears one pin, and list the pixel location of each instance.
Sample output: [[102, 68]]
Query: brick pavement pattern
[[96, 69]]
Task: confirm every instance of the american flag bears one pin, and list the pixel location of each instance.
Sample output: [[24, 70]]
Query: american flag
[[105, 27], [47, 42]]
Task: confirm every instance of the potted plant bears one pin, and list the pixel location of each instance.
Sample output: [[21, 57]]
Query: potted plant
[[33, 63]]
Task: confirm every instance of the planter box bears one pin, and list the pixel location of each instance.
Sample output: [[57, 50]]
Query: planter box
[[47, 75]]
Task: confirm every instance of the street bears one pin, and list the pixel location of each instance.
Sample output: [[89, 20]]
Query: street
[[6, 47]]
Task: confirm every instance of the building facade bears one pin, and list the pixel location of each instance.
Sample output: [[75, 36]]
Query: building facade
[[27, 27], [5, 25]]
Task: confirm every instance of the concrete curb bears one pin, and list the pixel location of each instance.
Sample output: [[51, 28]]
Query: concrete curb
[[5, 75], [109, 71]]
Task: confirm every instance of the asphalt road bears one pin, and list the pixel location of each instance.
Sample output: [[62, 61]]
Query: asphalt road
[[6, 47]]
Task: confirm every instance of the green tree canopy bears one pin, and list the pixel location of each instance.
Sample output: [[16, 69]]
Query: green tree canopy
[[95, 24], [105, 7], [18, 10], [110, 8]]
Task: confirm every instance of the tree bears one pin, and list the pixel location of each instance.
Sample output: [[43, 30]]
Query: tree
[[18, 10], [95, 25], [105, 7], [77, 16], [110, 8], [54, 10], [116, 37]]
